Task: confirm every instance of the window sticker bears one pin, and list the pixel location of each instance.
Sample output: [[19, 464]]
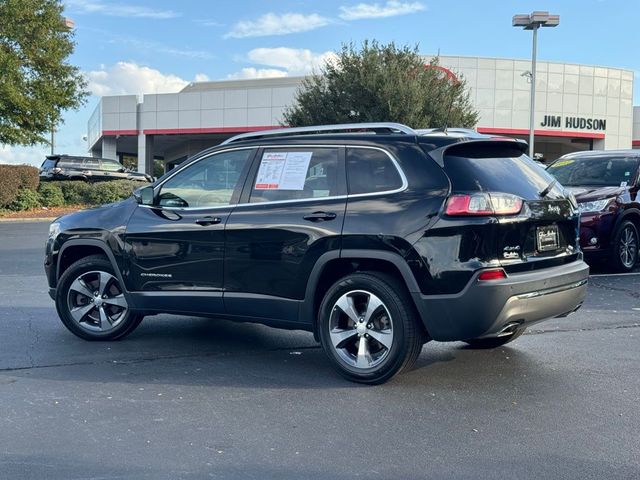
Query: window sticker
[[562, 163], [283, 170], [626, 174], [623, 184]]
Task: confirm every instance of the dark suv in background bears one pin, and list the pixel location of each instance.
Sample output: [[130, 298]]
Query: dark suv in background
[[89, 169], [605, 184], [374, 237]]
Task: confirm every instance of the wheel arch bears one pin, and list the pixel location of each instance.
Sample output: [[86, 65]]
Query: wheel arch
[[632, 214], [332, 266], [74, 250]]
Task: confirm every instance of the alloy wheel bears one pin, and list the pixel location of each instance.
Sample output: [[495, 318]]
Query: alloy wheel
[[361, 329], [628, 247], [96, 301]]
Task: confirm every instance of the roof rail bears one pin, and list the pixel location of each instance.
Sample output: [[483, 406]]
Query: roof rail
[[388, 126]]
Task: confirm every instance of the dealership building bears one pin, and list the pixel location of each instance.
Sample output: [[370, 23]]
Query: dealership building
[[578, 107]]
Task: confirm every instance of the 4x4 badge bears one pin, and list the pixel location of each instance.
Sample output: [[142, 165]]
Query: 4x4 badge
[[554, 209]]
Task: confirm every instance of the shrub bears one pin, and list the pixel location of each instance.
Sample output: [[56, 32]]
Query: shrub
[[51, 195], [109, 192], [25, 200], [14, 178], [29, 177], [9, 186], [75, 192]]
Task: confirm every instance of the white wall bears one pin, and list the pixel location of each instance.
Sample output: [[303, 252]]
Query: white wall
[[501, 94]]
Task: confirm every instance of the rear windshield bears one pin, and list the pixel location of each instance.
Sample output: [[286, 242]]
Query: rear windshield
[[48, 164], [518, 175], [604, 171]]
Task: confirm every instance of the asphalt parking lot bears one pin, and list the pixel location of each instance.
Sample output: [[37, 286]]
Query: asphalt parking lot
[[196, 398]]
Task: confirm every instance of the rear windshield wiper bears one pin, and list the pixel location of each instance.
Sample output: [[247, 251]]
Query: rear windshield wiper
[[546, 191]]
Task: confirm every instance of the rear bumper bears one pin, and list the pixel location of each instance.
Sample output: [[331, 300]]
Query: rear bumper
[[484, 309]]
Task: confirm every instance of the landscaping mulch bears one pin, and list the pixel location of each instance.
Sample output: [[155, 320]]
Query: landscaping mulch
[[42, 212]]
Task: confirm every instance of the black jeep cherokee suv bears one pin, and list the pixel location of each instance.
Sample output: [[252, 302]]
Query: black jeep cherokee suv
[[375, 237]]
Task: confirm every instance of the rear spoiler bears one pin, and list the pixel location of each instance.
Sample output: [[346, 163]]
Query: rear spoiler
[[480, 148]]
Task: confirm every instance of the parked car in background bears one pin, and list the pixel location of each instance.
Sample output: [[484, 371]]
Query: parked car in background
[[374, 237], [89, 169], [605, 184]]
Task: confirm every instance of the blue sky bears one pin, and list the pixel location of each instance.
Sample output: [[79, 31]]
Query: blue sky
[[143, 46]]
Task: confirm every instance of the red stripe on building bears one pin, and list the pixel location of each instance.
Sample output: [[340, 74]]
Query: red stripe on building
[[635, 143], [184, 131], [542, 133], [116, 133]]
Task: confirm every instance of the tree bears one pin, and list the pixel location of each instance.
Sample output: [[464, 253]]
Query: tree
[[36, 82], [382, 83]]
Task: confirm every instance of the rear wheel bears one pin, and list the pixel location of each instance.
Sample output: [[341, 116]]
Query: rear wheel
[[494, 342], [91, 302], [368, 328], [625, 247]]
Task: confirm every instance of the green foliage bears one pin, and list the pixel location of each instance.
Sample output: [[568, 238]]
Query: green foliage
[[109, 192], [36, 82], [25, 200], [76, 192], [50, 195], [381, 83], [14, 178]]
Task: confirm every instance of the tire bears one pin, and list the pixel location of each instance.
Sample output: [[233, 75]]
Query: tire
[[374, 349], [105, 316], [494, 342], [625, 247]]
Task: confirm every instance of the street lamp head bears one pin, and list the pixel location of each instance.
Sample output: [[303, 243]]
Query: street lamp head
[[536, 20], [520, 20]]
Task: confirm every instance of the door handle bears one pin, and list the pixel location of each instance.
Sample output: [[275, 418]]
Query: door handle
[[208, 221], [320, 216]]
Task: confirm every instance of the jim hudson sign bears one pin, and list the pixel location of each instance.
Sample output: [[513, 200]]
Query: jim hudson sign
[[581, 123]]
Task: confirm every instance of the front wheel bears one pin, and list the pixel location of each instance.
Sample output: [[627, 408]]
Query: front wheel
[[91, 302], [368, 327], [625, 247]]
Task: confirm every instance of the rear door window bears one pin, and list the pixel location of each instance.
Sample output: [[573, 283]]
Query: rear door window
[[370, 171], [111, 165], [70, 162], [296, 174], [91, 164]]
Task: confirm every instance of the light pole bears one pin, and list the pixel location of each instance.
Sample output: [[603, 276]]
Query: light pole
[[534, 22]]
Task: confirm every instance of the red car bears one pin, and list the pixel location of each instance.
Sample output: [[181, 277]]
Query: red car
[[605, 184]]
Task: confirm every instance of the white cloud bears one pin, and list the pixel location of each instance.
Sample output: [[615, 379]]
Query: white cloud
[[23, 155], [296, 61], [140, 44], [288, 61], [252, 72], [131, 78], [201, 77], [391, 8], [277, 24], [118, 9]]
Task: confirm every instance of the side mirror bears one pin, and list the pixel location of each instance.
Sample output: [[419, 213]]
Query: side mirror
[[144, 196]]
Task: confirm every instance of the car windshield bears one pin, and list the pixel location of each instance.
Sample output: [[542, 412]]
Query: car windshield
[[605, 171]]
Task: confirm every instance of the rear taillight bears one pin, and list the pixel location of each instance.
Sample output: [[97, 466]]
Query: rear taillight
[[493, 274], [484, 204]]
